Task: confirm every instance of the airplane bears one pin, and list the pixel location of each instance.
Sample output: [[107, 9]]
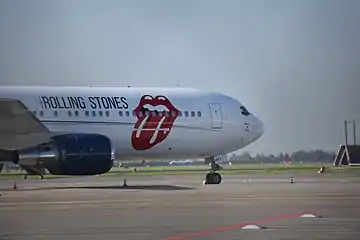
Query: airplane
[[82, 130]]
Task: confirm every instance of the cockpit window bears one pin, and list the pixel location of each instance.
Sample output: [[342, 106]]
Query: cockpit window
[[244, 111]]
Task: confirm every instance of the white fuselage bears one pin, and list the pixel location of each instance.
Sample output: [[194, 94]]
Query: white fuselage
[[189, 123]]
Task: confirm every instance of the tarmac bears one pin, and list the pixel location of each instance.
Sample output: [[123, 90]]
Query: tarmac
[[316, 206]]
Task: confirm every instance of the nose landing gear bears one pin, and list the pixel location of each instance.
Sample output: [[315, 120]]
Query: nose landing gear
[[212, 177]]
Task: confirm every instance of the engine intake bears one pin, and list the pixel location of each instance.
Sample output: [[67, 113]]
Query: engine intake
[[71, 154]]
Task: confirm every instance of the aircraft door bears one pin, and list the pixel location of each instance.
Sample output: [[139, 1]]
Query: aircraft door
[[216, 115]]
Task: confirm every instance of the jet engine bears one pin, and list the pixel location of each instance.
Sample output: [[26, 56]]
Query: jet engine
[[70, 154]]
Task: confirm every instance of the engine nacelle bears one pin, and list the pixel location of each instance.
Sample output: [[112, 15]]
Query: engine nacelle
[[71, 154]]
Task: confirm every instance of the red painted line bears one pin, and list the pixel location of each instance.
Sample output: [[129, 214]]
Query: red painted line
[[225, 228]]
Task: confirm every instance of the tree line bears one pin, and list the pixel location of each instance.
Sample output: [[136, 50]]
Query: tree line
[[304, 156]]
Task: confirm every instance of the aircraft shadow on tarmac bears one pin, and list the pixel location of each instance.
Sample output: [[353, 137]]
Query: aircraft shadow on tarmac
[[133, 187], [114, 187]]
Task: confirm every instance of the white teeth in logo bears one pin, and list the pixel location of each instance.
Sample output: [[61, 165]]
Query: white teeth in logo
[[159, 108]]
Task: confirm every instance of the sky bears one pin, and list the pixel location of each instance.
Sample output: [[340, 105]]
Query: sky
[[294, 64]]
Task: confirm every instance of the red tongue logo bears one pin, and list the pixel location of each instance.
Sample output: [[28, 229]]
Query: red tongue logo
[[152, 126]]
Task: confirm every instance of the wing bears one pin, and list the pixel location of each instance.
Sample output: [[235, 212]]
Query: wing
[[19, 127], [17, 119]]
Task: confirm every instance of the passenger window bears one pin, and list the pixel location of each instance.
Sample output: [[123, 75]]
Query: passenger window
[[86, 113], [173, 114], [140, 114], [69, 113], [153, 114], [107, 113], [192, 113], [94, 113], [199, 114], [100, 113], [147, 113], [34, 112], [76, 113], [186, 113], [120, 113], [167, 114], [134, 113], [56, 113], [41, 113], [127, 113], [180, 114]]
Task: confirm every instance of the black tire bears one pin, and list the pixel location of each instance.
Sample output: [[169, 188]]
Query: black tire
[[208, 178], [216, 178], [213, 178]]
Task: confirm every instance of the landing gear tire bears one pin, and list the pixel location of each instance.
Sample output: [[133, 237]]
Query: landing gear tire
[[213, 178]]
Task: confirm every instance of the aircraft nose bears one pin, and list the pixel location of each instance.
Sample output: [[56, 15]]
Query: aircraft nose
[[258, 127]]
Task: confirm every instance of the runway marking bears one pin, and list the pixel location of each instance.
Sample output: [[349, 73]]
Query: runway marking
[[73, 202], [133, 201], [238, 225]]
